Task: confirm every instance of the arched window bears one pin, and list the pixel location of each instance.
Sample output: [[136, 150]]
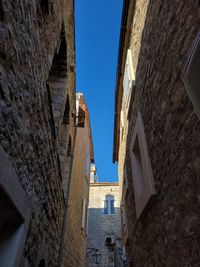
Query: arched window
[[57, 81], [109, 204], [59, 65]]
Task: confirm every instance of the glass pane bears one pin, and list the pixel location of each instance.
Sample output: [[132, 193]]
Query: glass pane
[[106, 207], [112, 207]]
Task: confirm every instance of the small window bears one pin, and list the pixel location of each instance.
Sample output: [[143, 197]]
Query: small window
[[191, 77], [143, 181], [45, 6], [109, 205]]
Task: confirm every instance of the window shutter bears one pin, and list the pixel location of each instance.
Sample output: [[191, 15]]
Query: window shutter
[[129, 78]]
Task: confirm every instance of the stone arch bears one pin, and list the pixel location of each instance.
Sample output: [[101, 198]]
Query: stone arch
[[57, 80], [59, 65]]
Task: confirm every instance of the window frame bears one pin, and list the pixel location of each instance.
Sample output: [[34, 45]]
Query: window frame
[[11, 248], [109, 199], [145, 189]]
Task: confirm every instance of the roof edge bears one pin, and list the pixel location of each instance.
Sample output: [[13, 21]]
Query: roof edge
[[118, 75]]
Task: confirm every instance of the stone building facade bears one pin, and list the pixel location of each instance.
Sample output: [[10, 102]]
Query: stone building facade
[[156, 134], [37, 119], [103, 222], [76, 222]]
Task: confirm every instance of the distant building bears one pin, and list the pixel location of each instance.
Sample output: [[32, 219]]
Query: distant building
[[156, 132], [104, 233], [74, 243]]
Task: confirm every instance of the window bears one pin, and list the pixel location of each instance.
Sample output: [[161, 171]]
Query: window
[[45, 6], [190, 75], [109, 205], [14, 215], [42, 263], [143, 181], [57, 82], [129, 78], [59, 65]]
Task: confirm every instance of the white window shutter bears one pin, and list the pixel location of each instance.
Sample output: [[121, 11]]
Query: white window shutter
[[129, 78]]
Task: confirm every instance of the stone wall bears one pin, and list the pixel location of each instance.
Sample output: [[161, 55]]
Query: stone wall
[[75, 235], [168, 233], [31, 125], [101, 225]]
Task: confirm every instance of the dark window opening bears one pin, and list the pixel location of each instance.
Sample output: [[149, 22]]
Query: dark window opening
[[2, 13], [59, 66], [66, 116], [45, 6], [42, 263]]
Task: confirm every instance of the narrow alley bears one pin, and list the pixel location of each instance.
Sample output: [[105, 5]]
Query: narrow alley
[[99, 133]]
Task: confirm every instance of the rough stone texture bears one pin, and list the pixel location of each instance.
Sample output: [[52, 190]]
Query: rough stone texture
[[168, 233], [28, 131], [101, 225], [75, 236]]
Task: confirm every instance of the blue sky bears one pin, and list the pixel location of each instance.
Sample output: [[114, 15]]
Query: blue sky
[[97, 40]]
